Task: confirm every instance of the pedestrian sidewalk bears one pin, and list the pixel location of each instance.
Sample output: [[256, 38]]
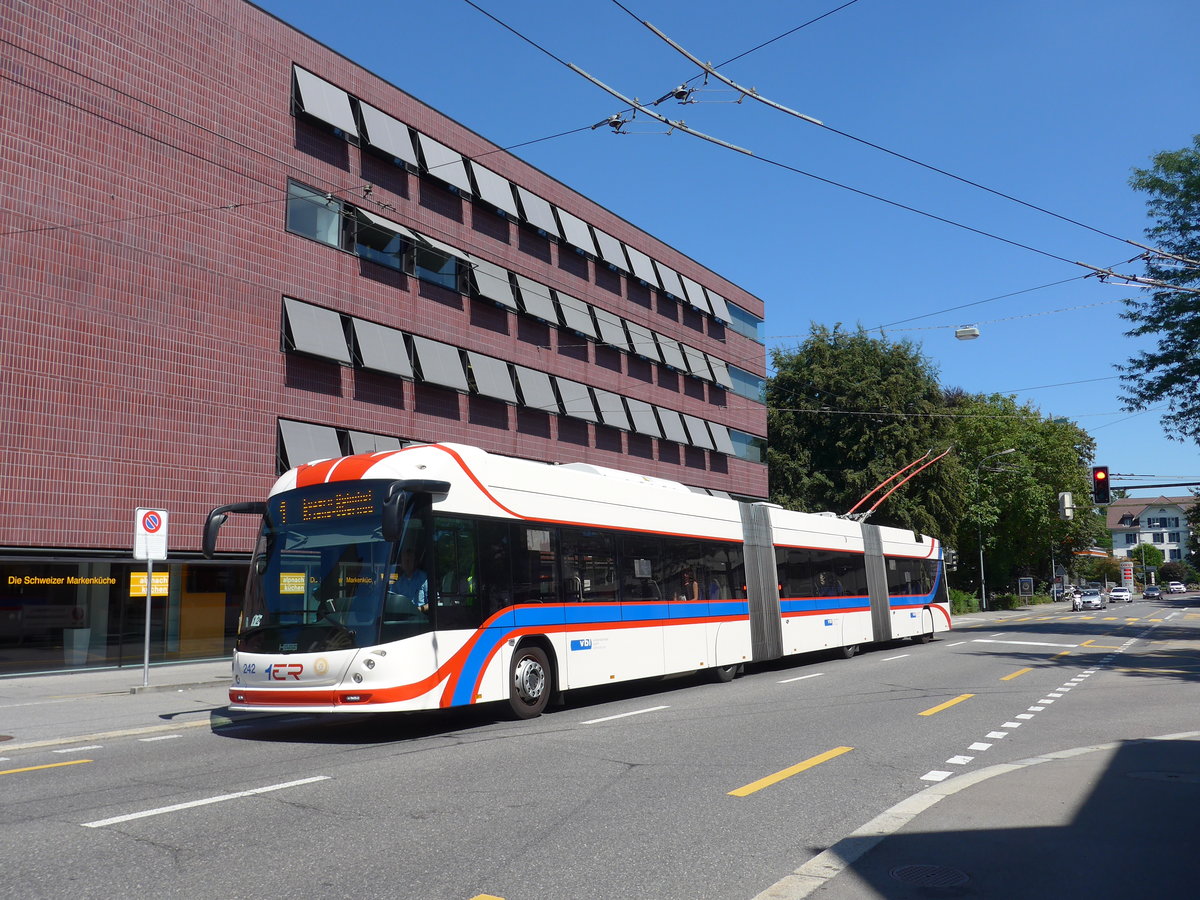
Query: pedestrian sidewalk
[[128, 680]]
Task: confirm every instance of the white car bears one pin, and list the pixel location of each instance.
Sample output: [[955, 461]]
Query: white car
[[1174, 587], [1120, 595]]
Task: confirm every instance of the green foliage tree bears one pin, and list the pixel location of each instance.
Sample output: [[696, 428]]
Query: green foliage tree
[[1193, 521], [1176, 571], [846, 411], [1013, 499], [1171, 371], [1152, 555]]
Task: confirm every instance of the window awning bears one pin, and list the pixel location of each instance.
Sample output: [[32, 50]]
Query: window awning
[[492, 283], [721, 438], [388, 134], [382, 348], [492, 378], [644, 421], [721, 373], [612, 410], [643, 267], [612, 332], [673, 426], [697, 432], [363, 442], [576, 232], [444, 249], [642, 341], [495, 189], [538, 212], [576, 400], [670, 281], [671, 353], [536, 299], [695, 295], [697, 362], [536, 389], [576, 315], [322, 100], [610, 249], [440, 363], [719, 310], [303, 443], [315, 330], [386, 224], [445, 164]]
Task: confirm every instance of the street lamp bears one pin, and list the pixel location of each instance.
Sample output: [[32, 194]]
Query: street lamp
[[979, 524]]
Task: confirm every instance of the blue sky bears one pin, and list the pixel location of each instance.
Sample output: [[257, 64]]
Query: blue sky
[[1050, 102]]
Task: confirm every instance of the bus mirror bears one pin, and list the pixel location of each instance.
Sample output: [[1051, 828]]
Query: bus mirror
[[394, 501], [217, 518]]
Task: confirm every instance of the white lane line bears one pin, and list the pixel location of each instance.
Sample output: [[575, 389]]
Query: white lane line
[[978, 745], [959, 760], [1045, 701], [78, 749], [956, 643], [1024, 716], [636, 712], [1056, 695], [1011, 725], [801, 677], [936, 776], [101, 823], [997, 734], [1036, 708], [1022, 643], [998, 633], [890, 658], [161, 737]]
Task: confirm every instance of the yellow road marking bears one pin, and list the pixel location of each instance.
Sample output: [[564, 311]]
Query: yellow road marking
[[1109, 619], [789, 772], [1086, 643], [486, 897], [946, 705], [1104, 647], [1015, 674], [73, 762], [1064, 653]]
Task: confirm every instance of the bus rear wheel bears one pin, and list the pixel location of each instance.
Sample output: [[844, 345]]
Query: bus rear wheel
[[529, 682], [723, 674], [848, 650]]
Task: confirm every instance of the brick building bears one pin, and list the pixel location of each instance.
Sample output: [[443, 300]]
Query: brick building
[[228, 250]]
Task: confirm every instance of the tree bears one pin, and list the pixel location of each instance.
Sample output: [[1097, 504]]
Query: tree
[[846, 411], [1176, 571], [1193, 522], [1171, 371], [1151, 555]]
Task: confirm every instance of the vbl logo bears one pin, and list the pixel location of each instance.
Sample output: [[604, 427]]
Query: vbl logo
[[281, 671]]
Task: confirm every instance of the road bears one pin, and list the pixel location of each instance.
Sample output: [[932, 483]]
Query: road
[[670, 789]]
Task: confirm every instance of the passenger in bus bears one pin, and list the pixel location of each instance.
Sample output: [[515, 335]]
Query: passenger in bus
[[714, 588], [691, 588], [412, 582]]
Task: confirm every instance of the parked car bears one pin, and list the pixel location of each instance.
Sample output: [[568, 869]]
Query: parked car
[[1089, 599], [1151, 592], [1175, 587], [1120, 595]]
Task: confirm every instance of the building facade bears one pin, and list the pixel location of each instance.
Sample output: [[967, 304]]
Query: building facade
[[229, 250], [1160, 522]]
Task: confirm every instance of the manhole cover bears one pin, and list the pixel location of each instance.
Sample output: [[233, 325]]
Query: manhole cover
[[1177, 777], [930, 876]]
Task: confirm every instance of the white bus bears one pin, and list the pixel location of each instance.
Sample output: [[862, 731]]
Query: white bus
[[441, 575]]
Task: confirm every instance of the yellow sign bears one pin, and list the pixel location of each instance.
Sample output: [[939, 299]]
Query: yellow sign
[[137, 584], [291, 582]]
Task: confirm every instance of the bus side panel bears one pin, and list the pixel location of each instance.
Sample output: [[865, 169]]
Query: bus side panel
[[730, 642]]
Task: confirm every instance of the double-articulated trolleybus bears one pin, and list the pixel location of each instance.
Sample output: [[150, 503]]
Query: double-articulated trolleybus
[[440, 575]]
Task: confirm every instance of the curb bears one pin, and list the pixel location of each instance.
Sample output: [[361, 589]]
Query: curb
[[160, 688]]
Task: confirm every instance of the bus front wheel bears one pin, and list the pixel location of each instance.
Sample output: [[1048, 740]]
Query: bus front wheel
[[529, 682], [723, 674], [848, 650]]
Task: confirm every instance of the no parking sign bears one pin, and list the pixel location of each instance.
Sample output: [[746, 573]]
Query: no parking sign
[[150, 534]]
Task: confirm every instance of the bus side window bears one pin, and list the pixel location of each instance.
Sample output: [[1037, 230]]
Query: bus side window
[[535, 564]]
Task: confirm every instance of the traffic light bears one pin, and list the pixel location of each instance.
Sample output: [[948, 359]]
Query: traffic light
[[950, 559], [1100, 486]]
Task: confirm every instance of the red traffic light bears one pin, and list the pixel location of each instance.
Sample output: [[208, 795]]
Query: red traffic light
[[1099, 474], [1100, 485]]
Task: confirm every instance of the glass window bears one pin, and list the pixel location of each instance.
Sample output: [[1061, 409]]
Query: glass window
[[314, 215], [1173, 537], [1130, 539], [534, 565], [378, 244], [436, 267], [682, 560], [454, 572], [722, 574], [746, 324], [1175, 555], [748, 385], [1157, 537], [907, 576], [641, 568], [748, 447], [589, 566]]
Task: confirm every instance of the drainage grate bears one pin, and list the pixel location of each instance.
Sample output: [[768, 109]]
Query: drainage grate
[[930, 876]]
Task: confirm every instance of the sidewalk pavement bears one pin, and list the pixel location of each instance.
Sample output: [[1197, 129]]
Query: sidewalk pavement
[[125, 680]]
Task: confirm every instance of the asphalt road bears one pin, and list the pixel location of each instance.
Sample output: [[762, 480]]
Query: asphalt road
[[670, 789]]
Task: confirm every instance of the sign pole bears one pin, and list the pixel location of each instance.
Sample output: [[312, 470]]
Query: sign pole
[[146, 651]]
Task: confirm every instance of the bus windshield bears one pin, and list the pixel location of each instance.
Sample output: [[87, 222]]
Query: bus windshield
[[324, 578]]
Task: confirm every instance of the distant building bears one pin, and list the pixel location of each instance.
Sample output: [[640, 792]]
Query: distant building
[[228, 250], [1161, 522]]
